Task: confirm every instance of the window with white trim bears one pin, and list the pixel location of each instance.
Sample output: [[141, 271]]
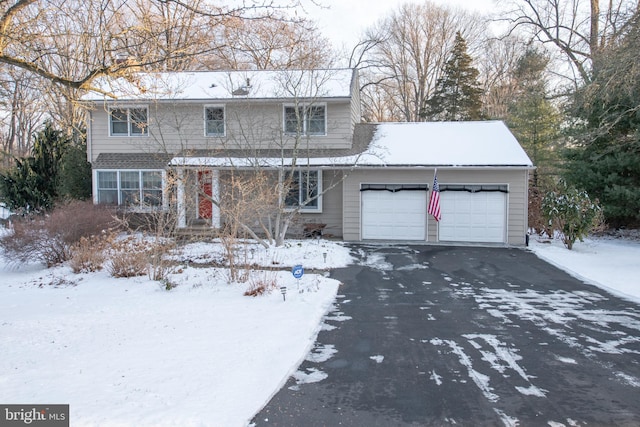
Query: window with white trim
[[129, 121], [305, 190], [214, 121], [134, 188], [305, 120]]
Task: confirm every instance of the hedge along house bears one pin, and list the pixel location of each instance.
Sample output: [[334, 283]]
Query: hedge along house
[[361, 181]]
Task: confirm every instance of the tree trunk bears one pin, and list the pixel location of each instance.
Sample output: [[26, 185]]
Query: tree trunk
[[595, 25]]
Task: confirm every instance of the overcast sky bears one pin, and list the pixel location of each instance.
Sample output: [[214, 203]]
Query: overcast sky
[[344, 20]]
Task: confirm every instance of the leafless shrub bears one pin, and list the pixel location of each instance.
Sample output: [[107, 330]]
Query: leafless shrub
[[159, 266], [128, 257], [536, 220], [49, 238], [88, 254], [158, 225], [247, 198], [262, 283]]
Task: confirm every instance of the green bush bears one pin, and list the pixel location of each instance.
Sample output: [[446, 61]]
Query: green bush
[[571, 212]]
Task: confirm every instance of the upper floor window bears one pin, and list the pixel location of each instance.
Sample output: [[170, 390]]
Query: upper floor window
[[130, 187], [214, 121], [305, 190], [305, 120], [129, 121]]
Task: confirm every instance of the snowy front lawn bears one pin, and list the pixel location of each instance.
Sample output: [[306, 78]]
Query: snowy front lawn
[[127, 352], [611, 264]]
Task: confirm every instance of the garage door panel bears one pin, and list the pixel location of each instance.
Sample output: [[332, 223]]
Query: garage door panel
[[397, 215], [473, 217]]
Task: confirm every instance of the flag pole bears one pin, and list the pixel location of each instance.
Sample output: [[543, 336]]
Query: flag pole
[[433, 208], [435, 174]]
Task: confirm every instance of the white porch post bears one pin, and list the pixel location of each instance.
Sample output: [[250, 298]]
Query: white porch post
[[182, 206], [215, 195]]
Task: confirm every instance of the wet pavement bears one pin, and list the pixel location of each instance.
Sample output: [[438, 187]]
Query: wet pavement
[[465, 336]]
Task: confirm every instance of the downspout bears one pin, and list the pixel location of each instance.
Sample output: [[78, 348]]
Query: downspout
[[89, 137]]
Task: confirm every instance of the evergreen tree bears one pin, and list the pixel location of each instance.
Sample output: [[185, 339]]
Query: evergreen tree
[[605, 160], [32, 184], [458, 93], [533, 119], [75, 173]]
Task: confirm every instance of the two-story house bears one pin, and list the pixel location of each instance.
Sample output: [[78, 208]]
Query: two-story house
[[363, 181]]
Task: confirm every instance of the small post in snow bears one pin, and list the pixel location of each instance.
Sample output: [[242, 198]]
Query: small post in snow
[[297, 272]]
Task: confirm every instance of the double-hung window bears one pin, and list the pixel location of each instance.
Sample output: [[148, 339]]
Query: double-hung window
[[305, 190], [214, 121], [129, 121], [133, 188], [305, 120]]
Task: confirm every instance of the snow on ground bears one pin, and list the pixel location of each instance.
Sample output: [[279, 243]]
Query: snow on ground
[[128, 352], [4, 211], [612, 264]]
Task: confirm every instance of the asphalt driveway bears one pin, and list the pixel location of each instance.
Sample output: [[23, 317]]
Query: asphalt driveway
[[465, 336]]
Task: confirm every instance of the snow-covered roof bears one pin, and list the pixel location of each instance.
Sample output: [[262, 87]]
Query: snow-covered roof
[[428, 144], [478, 143], [224, 85]]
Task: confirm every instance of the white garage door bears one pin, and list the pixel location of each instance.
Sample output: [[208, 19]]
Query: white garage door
[[398, 215], [473, 217]]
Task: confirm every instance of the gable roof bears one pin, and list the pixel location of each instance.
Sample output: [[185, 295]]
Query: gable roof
[[478, 143], [225, 85], [424, 144]]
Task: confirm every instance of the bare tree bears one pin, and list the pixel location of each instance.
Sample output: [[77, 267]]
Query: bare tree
[[578, 29], [51, 53], [111, 32], [23, 106], [497, 65], [271, 44], [272, 165], [406, 53]]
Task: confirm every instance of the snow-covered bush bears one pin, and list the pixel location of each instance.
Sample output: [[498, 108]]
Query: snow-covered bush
[[571, 212]]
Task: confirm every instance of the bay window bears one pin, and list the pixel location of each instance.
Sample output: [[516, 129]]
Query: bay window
[[133, 188]]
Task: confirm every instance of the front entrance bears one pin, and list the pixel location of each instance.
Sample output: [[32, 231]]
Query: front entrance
[[205, 207]]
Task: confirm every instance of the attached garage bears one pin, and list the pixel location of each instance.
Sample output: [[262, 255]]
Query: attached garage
[[482, 171], [394, 211], [473, 213]]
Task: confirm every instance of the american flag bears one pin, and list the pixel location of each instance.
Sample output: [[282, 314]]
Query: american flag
[[434, 199]]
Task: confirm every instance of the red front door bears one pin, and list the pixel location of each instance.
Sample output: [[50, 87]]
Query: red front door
[[205, 207]]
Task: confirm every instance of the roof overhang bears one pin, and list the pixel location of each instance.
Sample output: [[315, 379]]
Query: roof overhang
[[351, 162]]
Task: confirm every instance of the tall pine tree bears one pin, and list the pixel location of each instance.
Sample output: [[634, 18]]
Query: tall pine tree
[[532, 118], [458, 94], [605, 159]]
